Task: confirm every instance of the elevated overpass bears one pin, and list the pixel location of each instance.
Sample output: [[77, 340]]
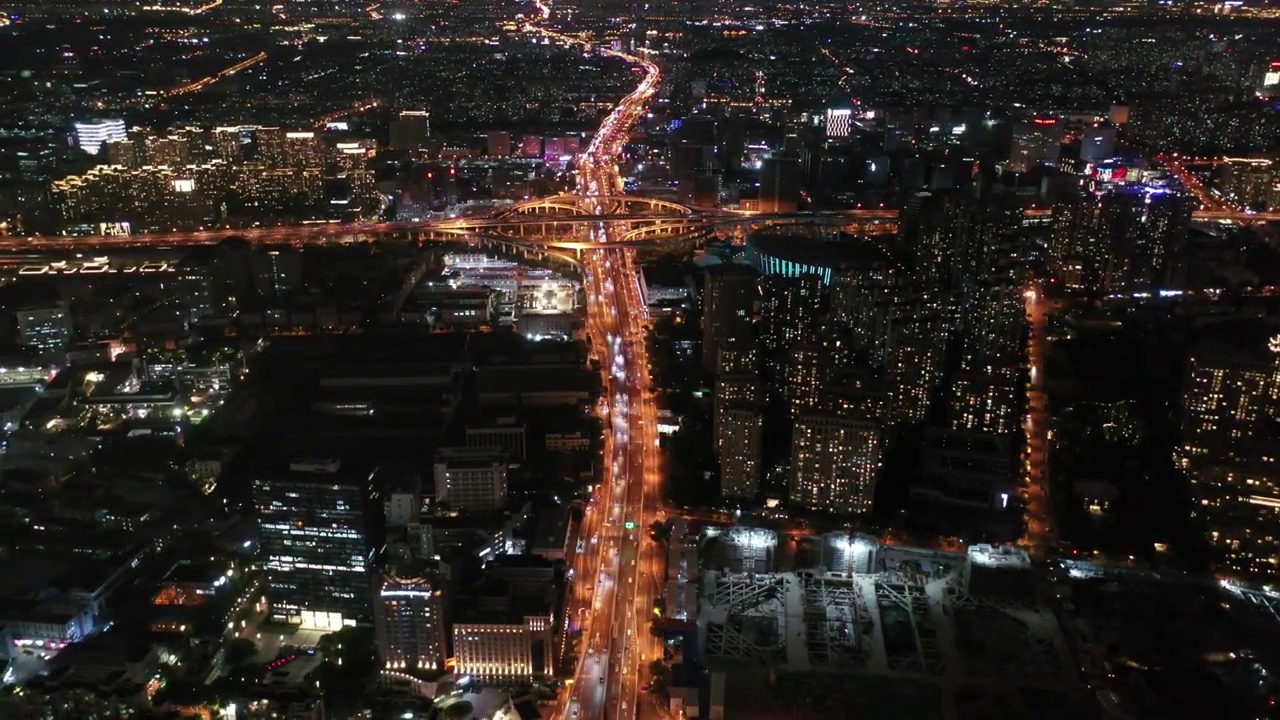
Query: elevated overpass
[[550, 223]]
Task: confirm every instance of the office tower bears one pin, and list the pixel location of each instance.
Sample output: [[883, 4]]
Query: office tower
[[46, 330], [409, 620], [1097, 143], [779, 184], [312, 541], [471, 479], [1230, 446], [834, 463], [498, 143], [410, 131], [789, 309], [739, 440], [728, 302], [91, 136], [1140, 232], [1036, 142]]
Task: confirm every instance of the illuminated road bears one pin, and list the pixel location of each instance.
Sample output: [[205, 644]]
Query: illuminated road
[[203, 83], [868, 221], [618, 575], [1208, 203], [1035, 489]]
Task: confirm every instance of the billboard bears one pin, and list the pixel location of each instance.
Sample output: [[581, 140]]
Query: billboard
[[1111, 174]]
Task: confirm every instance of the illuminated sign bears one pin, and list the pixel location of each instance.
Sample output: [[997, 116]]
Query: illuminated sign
[[1112, 174], [839, 122], [114, 229], [184, 186], [1045, 121], [1271, 78]]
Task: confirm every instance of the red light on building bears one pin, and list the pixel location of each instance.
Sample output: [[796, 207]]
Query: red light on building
[[1045, 121], [1275, 63]]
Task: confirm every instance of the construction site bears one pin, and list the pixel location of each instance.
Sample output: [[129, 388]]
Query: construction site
[[840, 625]]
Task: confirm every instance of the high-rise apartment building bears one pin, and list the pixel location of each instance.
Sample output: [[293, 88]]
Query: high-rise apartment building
[[1141, 231], [409, 620], [737, 384], [835, 462], [808, 367], [789, 309], [985, 402], [313, 543], [471, 478], [728, 302], [1252, 181], [740, 438], [1230, 447]]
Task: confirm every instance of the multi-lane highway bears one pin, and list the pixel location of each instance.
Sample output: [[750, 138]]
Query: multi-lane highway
[[869, 221], [610, 602]]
